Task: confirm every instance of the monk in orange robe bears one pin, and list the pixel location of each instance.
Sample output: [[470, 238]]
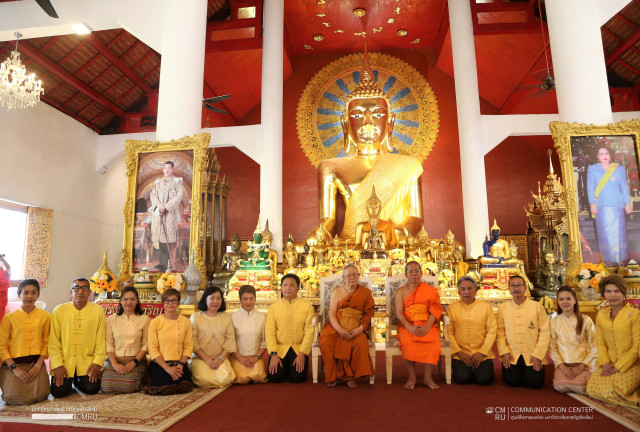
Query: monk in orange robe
[[343, 341], [418, 310]]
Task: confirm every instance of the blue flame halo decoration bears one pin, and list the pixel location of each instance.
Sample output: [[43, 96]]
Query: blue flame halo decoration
[[324, 100]]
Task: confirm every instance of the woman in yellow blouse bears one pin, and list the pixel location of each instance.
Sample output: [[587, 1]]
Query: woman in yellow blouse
[[618, 336], [573, 344], [213, 340], [24, 335], [170, 346], [127, 346]]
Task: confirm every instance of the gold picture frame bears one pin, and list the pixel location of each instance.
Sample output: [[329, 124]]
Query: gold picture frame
[[578, 146], [134, 149]]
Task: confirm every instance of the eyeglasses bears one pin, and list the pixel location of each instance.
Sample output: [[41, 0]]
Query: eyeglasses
[[80, 288], [351, 275], [516, 285], [171, 301]]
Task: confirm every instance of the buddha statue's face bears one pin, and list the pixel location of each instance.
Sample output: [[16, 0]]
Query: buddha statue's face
[[373, 208], [368, 122], [411, 240], [424, 238], [374, 231], [235, 246], [449, 240], [257, 238], [267, 239], [289, 245], [306, 248], [495, 234], [336, 242]]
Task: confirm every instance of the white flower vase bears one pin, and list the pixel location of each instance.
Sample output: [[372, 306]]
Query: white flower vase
[[193, 279]]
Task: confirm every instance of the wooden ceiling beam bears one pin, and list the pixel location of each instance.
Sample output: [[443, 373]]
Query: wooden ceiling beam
[[117, 83], [628, 66], [99, 77], [117, 38], [84, 108], [610, 33], [117, 61], [234, 45], [70, 100], [622, 47], [70, 114], [73, 52], [625, 20], [70, 79], [46, 46], [153, 69], [143, 59]]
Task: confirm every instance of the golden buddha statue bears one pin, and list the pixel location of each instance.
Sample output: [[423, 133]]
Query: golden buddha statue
[[306, 258], [319, 249], [549, 276], [290, 255], [335, 250], [390, 233], [367, 126], [425, 246], [450, 244], [497, 251], [460, 266], [412, 248], [267, 237], [443, 258], [374, 244], [231, 260]]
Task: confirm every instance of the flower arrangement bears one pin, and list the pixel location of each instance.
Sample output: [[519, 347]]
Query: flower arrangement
[[547, 303], [352, 255], [337, 262], [445, 278], [103, 281], [323, 270], [309, 281], [170, 280], [589, 275], [430, 267], [396, 254]]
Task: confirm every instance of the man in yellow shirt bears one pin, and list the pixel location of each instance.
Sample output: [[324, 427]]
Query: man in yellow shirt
[[523, 337], [77, 348], [472, 333], [289, 334]]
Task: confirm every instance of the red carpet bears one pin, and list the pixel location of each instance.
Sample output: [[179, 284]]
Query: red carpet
[[381, 407]]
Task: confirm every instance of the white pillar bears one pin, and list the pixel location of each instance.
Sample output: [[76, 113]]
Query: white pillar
[[182, 69], [578, 61], [474, 184], [271, 115]]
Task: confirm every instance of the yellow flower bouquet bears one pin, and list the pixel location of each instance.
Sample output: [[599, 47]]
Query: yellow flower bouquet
[[352, 255], [337, 262], [397, 254], [323, 270], [589, 275], [445, 278], [547, 303], [309, 281], [430, 267], [170, 280], [103, 281]]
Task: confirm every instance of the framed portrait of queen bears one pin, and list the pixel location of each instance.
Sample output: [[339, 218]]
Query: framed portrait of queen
[[162, 210], [600, 173]]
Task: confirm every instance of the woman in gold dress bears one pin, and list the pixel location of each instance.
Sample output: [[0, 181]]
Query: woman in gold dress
[[213, 341], [573, 344], [618, 336]]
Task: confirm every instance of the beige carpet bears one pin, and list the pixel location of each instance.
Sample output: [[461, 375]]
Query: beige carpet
[[627, 417], [136, 412]]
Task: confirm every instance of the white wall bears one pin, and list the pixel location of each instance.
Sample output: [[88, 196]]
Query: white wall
[[48, 160]]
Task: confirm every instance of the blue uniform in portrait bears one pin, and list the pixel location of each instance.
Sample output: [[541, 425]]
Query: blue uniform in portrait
[[613, 195]]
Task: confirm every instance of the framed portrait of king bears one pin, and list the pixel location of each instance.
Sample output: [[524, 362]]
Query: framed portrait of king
[[162, 210], [602, 181]]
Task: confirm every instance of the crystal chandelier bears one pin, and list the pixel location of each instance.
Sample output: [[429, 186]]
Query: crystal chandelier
[[17, 89]]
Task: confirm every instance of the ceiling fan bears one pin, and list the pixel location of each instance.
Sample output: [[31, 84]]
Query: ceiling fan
[[48, 8], [208, 104]]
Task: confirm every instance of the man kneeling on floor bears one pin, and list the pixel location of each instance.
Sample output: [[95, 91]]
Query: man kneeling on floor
[[343, 340], [289, 334], [77, 347]]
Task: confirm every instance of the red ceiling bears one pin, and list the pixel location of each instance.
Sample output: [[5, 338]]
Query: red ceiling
[[109, 80]]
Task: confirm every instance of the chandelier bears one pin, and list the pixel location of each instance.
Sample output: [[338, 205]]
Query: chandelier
[[17, 89]]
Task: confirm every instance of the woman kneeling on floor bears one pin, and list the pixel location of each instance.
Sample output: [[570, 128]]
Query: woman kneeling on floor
[[617, 378], [24, 335], [573, 344], [170, 346], [248, 323], [213, 340], [127, 346]]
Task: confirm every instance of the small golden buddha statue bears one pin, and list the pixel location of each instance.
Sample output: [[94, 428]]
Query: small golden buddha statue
[[443, 258], [267, 237], [549, 276], [290, 255], [497, 252], [367, 126], [425, 246], [374, 244], [335, 249], [231, 260], [460, 266], [306, 258], [390, 233], [412, 247], [450, 244], [319, 249]]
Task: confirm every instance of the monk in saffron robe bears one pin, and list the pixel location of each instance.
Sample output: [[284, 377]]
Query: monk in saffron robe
[[343, 341], [418, 310]]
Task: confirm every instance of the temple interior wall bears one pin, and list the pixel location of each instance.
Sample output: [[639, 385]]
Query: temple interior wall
[[48, 160]]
